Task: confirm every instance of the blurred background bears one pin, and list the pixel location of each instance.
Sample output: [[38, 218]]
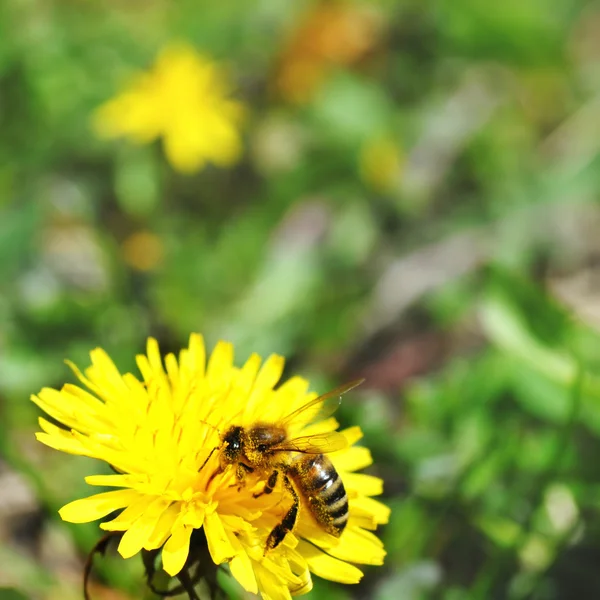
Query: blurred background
[[414, 200]]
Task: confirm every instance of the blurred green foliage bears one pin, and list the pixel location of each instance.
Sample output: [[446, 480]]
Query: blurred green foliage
[[463, 287]]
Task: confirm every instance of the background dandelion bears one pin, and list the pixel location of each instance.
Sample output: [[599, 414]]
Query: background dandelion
[[184, 100], [409, 194]]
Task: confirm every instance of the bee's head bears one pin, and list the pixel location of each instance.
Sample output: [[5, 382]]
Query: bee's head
[[233, 444]]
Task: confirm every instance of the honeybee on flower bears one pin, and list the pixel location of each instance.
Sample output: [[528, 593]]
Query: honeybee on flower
[[168, 434]]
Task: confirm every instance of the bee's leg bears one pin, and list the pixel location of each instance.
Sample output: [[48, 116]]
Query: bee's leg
[[216, 472], [289, 520], [241, 470], [271, 483]]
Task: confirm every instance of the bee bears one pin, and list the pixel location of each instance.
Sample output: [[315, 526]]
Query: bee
[[265, 449]]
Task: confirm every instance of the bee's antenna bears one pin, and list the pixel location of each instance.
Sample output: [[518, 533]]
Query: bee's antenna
[[213, 427], [208, 458]]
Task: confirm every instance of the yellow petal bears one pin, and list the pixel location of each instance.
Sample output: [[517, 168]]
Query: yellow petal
[[88, 384], [363, 521], [137, 536], [195, 361], [130, 515], [144, 366], [113, 480], [98, 506], [261, 404], [69, 410], [163, 527], [321, 427], [359, 546], [220, 361], [280, 568], [248, 373], [172, 367], [124, 462], [363, 505], [104, 373], [351, 459], [91, 401], [219, 546], [328, 567], [270, 373], [367, 485], [49, 400], [293, 393], [61, 440], [352, 434], [300, 568], [271, 588], [241, 569], [176, 550], [154, 359]]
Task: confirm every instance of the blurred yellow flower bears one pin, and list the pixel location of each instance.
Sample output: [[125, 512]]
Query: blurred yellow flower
[[162, 434], [184, 99]]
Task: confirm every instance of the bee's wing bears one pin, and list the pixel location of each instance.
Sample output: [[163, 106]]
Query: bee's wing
[[319, 443], [323, 406]]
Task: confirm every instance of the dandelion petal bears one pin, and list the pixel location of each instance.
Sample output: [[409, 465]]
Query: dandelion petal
[[328, 567], [176, 550], [136, 537], [98, 506], [368, 485], [241, 569], [219, 545], [359, 546]]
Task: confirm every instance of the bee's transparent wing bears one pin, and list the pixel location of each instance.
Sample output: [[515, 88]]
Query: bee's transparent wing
[[324, 406], [320, 443]]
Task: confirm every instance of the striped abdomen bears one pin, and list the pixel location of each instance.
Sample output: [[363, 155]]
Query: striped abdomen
[[322, 489]]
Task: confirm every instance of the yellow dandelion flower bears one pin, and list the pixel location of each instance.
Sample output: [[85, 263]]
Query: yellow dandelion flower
[[168, 437], [184, 99]]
